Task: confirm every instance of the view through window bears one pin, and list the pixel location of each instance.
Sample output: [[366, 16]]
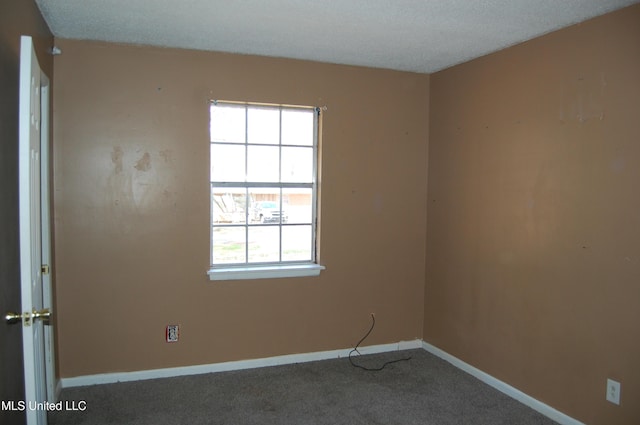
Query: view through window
[[263, 184]]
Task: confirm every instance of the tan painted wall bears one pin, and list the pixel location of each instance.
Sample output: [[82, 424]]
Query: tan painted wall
[[533, 241], [132, 246]]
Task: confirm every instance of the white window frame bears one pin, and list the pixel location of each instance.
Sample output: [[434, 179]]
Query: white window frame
[[278, 269]]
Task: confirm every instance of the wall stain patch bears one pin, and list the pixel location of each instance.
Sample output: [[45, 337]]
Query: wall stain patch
[[144, 163], [166, 155], [116, 158]]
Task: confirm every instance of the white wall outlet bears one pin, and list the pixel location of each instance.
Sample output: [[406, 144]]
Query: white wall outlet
[[613, 391], [173, 332]]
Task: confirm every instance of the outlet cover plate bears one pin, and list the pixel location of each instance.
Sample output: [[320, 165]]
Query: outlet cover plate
[[173, 332], [613, 391]]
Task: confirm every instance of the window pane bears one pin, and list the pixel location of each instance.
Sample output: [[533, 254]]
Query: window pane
[[265, 206], [297, 165], [298, 205], [228, 123], [264, 244], [229, 245], [263, 163], [262, 170], [263, 125], [228, 205], [296, 243], [227, 163], [297, 127]]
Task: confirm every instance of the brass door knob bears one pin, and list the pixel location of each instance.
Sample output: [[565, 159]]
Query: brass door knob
[[12, 318], [44, 314]]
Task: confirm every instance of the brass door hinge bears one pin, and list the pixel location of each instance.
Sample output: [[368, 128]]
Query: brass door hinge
[[45, 269]]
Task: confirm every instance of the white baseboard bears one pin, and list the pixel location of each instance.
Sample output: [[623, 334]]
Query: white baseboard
[[503, 387], [110, 378]]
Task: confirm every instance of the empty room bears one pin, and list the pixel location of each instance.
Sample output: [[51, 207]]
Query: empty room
[[338, 212]]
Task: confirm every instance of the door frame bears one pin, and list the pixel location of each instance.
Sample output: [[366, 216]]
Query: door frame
[[53, 387]]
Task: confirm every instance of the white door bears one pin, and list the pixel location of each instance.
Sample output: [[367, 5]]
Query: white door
[[30, 234]]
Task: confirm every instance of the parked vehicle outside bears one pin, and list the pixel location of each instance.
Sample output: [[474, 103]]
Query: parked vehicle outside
[[268, 212]]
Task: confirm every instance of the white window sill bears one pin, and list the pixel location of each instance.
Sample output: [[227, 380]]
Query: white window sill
[[265, 272]]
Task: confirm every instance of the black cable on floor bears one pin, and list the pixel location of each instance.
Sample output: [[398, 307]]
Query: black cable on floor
[[355, 349]]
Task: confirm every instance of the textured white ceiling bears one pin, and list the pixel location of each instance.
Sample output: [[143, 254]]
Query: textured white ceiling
[[409, 35]]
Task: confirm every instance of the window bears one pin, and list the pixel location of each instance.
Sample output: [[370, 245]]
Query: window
[[263, 190]]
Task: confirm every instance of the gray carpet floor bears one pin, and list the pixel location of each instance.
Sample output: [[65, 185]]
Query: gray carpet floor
[[424, 390]]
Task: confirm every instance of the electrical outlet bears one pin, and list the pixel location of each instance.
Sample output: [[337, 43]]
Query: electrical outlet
[[173, 332], [613, 391]]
